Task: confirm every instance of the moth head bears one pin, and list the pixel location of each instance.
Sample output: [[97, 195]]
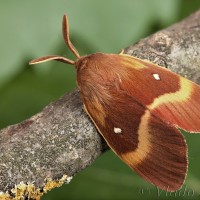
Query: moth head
[[80, 59]]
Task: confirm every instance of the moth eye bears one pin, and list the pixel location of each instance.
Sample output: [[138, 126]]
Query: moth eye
[[156, 77]]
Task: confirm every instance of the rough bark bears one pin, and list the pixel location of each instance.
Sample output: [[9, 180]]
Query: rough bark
[[61, 140]]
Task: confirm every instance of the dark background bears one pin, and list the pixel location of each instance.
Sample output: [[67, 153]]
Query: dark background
[[29, 29]]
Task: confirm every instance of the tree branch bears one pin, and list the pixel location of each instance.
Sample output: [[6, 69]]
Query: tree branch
[[46, 150]]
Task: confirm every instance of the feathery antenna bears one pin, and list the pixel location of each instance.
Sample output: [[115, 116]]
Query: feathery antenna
[[65, 30]]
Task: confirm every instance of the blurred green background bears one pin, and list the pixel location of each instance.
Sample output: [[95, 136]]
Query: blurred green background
[[30, 29]]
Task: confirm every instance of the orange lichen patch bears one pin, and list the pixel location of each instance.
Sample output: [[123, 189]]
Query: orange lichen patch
[[24, 191], [4, 196], [50, 184]]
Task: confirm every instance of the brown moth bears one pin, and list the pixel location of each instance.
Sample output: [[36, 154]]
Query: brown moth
[[138, 107]]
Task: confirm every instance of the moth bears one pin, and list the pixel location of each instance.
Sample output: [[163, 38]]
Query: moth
[[137, 107]]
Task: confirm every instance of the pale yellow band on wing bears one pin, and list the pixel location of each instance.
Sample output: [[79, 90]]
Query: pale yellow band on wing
[[129, 61], [144, 145], [180, 96]]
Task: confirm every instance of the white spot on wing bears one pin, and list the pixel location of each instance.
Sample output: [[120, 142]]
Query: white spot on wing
[[156, 76], [117, 130]]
